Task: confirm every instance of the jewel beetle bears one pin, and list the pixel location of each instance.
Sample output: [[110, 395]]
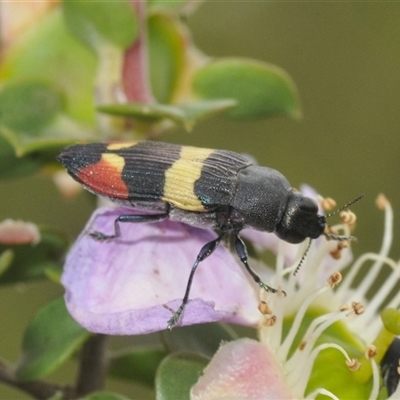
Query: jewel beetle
[[206, 188], [390, 366]]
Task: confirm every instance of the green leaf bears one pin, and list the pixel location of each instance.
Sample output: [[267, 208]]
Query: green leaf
[[12, 166], [44, 147], [56, 396], [203, 339], [54, 274], [21, 155], [146, 112], [184, 114], [93, 21], [31, 120], [194, 112], [6, 259], [261, 90], [182, 7], [105, 396], [28, 107], [139, 365], [50, 339], [391, 320], [177, 374], [31, 262], [166, 53], [48, 52]]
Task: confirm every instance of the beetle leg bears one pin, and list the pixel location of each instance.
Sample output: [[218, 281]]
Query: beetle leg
[[127, 218], [206, 251], [241, 251]]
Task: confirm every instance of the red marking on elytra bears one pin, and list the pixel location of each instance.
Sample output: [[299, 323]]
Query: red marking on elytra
[[105, 179]]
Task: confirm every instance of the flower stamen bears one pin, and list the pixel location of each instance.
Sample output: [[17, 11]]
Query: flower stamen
[[370, 352], [348, 217], [375, 380], [328, 204], [269, 321], [288, 342], [357, 307], [335, 279], [314, 331], [353, 364], [322, 391], [297, 378], [264, 308]]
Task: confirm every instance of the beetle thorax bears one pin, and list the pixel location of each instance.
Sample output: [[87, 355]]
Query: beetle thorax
[[260, 198]]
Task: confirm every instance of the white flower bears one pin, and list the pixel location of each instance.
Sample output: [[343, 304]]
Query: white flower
[[316, 340]]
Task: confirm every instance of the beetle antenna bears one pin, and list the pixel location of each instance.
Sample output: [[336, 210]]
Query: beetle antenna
[[345, 206], [302, 259], [330, 235], [340, 238], [333, 236]]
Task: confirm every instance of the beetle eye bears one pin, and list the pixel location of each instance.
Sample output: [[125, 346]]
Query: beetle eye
[[308, 205]]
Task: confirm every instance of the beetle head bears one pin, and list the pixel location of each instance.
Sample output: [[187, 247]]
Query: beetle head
[[300, 220]]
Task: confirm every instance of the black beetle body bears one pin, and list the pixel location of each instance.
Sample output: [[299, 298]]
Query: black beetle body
[[202, 187]]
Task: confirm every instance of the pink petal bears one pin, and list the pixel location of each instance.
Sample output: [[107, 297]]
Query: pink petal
[[244, 369], [129, 285], [18, 232]]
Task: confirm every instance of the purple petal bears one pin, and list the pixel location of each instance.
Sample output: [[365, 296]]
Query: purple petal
[[269, 241], [130, 285], [310, 192]]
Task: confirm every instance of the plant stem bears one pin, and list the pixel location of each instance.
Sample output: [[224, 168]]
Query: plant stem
[[92, 366], [38, 389]]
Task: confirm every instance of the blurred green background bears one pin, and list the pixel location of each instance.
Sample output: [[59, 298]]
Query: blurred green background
[[344, 58]]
